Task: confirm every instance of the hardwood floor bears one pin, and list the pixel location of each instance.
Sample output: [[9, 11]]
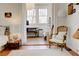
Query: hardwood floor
[[73, 53], [35, 38], [34, 45], [5, 52], [38, 40]]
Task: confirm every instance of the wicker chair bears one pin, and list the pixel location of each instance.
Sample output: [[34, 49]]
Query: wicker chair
[[59, 38]]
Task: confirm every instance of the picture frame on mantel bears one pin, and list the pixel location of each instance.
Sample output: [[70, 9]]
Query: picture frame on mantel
[[8, 14]]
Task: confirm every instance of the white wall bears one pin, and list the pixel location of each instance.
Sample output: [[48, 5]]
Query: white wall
[[73, 24], [23, 24], [14, 21], [46, 27], [59, 15], [18, 19]]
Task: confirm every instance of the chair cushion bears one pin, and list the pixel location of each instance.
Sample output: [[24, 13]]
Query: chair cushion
[[14, 37], [3, 40], [53, 36], [58, 38], [2, 30], [60, 35]]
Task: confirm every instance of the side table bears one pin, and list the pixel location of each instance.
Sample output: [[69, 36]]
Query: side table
[[14, 45]]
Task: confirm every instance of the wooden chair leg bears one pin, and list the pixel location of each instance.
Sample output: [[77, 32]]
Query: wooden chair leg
[[62, 46], [49, 44]]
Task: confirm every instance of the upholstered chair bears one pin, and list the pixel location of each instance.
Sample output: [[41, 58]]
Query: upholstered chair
[[59, 39]]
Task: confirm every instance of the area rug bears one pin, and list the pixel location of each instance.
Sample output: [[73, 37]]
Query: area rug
[[39, 52]]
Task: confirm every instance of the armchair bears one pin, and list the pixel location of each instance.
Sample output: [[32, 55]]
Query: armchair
[[14, 41], [60, 38]]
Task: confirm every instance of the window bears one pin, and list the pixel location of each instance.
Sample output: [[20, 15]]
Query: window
[[31, 14], [43, 16]]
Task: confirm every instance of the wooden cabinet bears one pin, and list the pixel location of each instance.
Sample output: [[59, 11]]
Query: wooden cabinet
[[14, 45]]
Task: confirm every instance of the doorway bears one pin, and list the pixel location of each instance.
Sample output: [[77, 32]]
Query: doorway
[[38, 23]]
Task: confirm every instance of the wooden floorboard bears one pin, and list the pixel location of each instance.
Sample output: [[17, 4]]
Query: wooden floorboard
[[5, 52], [73, 53], [35, 38], [35, 45]]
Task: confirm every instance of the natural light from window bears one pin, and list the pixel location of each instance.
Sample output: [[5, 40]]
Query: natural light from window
[[41, 18], [31, 16]]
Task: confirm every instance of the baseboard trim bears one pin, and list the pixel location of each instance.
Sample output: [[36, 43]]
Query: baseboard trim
[[73, 53]]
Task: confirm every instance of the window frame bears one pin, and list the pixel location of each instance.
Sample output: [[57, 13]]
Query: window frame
[[31, 16], [40, 15]]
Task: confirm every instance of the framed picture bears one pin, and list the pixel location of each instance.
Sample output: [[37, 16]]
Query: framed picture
[[8, 14], [70, 9]]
